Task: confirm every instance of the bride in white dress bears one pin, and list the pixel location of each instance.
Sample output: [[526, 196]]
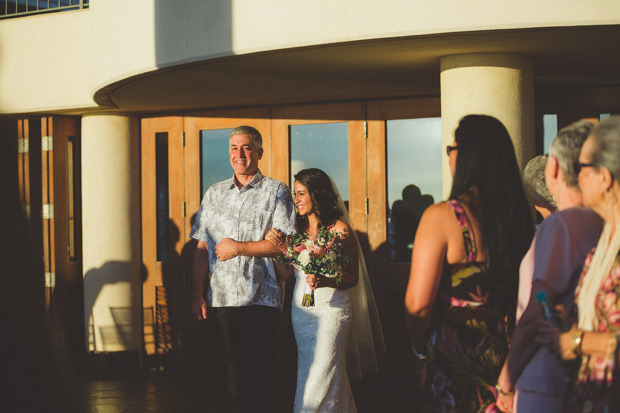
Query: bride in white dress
[[342, 330]]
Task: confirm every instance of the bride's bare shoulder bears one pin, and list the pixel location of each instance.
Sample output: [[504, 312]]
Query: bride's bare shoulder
[[341, 227]]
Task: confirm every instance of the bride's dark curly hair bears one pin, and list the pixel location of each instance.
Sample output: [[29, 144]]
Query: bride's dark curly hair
[[324, 200]]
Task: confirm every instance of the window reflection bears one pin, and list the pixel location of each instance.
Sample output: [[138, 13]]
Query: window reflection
[[162, 195], [71, 197], [550, 130], [214, 163], [413, 178], [323, 146]]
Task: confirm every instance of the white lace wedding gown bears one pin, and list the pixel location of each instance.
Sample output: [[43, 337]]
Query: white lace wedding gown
[[321, 333]]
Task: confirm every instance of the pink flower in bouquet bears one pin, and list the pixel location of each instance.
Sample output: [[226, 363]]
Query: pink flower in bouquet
[[317, 251], [299, 248], [610, 299], [613, 317]]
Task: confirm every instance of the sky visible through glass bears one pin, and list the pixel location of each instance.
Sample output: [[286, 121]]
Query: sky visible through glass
[[323, 146], [550, 130], [214, 163], [414, 157]]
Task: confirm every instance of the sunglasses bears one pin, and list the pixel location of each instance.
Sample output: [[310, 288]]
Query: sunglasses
[[450, 149]]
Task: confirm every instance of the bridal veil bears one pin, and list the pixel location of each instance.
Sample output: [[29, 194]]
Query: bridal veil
[[365, 344]]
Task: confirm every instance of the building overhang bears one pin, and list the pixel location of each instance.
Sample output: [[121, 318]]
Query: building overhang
[[408, 66]]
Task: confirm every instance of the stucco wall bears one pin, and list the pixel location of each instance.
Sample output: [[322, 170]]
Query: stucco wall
[[57, 61], [45, 62]]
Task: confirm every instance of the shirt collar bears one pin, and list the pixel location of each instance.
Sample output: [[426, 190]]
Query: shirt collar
[[256, 179]]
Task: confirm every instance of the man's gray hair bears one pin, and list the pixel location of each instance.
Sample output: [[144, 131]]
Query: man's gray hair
[[606, 152], [535, 184], [257, 139], [566, 147]]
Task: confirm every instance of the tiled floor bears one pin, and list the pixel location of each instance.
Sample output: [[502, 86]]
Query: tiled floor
[[197, 384], [155, 392], [149, 392]]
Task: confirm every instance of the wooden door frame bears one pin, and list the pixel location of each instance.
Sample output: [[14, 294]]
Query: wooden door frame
[[68, 288], [173, 126]]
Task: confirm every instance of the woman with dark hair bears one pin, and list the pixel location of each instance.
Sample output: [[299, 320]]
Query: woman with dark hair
[[341, 330], [462, 289]]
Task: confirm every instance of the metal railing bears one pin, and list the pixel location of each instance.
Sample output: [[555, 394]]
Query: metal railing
[[19, 8]]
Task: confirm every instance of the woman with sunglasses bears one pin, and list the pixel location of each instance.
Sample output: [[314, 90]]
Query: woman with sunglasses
[[594, 336], [462, 288]]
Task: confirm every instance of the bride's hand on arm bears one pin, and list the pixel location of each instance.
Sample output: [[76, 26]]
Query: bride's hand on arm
[[427, 260], [277, 238]]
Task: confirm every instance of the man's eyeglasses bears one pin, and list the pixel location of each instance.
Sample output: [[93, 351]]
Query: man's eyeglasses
[[450, 149], [579, 165]]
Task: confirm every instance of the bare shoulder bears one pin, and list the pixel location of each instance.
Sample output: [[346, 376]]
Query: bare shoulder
[[438, 222], [438, 213], [342, 228]]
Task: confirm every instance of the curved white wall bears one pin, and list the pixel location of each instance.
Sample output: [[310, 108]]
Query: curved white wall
[[57, 61]]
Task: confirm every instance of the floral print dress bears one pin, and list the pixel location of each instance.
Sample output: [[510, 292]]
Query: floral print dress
[[469, 337], [593, 381]]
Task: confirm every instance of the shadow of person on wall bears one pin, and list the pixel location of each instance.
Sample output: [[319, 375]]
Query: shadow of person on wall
[[173, 279], [405, 217], [196, 371], [121, 331]]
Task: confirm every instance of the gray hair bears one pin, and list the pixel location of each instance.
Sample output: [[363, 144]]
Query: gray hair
[[566, 147], [606, 152], [257, 139], [535, 184]]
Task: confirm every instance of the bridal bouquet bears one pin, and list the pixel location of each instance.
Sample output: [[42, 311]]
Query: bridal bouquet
[[321, 255]]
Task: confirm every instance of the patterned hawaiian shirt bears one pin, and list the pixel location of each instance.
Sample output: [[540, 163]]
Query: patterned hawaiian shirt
[[245, 214]]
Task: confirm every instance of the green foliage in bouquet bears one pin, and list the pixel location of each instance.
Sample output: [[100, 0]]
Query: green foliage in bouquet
[[321, 255]]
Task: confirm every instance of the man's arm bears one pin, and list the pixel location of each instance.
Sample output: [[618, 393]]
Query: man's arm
[[200, 277], [283, 220], [229, 248]]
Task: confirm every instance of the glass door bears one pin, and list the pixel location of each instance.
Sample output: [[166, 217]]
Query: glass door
[[49, 188], [62, 231], [163, 234], [207, 162], [404, 177], [329, 137], [206, 156]]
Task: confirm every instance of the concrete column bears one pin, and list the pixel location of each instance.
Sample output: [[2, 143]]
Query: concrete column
[[111, 232], [499, 85]]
